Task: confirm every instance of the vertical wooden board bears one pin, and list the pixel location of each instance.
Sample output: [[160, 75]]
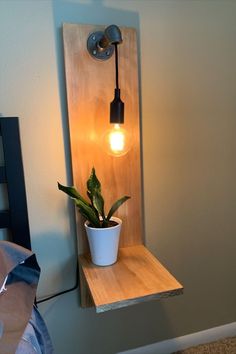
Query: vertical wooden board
[[85, 296], [90, 89]]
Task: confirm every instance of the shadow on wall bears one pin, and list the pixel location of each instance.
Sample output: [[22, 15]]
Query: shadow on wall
[[148, 320], [49, 272]]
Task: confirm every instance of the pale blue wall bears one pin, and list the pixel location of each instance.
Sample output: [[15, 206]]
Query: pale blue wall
[[187, 60]]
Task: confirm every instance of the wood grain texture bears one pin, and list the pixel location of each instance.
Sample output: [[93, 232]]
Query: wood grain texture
[[137, 276], [90, 89], [85, 295]]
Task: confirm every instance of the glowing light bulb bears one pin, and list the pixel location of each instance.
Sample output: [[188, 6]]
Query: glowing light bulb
[[116, 141]]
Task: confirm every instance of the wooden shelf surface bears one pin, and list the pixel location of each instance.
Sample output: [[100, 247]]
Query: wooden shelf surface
[[137, 276]]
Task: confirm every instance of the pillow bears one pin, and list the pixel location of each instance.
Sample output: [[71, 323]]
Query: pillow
[[19, 276]]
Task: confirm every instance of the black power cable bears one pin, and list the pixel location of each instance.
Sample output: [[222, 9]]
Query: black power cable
[[61, 292], [117, 66]]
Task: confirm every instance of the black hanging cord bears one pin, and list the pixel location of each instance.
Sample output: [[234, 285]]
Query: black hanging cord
[[117, 106], [116, 64]]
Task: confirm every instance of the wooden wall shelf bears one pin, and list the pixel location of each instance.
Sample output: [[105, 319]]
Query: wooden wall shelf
[[136, 277]]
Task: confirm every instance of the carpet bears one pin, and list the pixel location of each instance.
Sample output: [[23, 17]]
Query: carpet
[[224, 346]]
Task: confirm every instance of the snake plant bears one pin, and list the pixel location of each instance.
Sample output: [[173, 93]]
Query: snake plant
[[93, 210]]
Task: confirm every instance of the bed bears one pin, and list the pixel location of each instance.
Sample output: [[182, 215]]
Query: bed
[[22, 329]]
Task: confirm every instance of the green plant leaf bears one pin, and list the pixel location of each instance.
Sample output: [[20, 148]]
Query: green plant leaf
[[116, 205], [98, 203], [90, 196], [93, 184], [71, 192], [104, 223], [91, 199], [88, 212]]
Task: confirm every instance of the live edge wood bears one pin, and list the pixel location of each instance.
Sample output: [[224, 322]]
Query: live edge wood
[[136, 277]]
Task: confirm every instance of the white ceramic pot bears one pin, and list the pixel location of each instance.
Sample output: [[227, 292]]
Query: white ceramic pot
[[104, 243]]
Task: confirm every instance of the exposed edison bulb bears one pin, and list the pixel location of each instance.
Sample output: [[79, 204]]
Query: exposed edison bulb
[[116, 141]]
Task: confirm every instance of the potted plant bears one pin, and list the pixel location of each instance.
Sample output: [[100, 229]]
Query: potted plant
[[103, 230]]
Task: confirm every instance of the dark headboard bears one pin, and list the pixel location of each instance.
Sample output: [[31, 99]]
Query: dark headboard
[[11, 173]]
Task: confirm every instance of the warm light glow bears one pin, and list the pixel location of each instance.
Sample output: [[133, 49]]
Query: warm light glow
[[116, 141]]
